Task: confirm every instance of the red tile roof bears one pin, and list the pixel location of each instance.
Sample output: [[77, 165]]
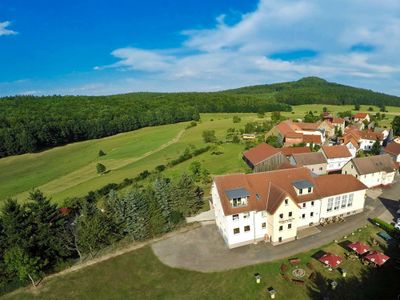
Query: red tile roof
[[311, 138], [337, 151], [267, 190], [338, 121], [393, 148], [294, 150], [259, 153], [307, 126], [360, 115]]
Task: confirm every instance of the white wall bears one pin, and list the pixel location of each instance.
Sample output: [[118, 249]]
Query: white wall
[[366, 145], [358, 204], [277, 221], [372, 179], [307, 209], [336, 163], [352, 149]]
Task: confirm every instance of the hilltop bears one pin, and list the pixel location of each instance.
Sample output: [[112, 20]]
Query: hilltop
[[318, 91]]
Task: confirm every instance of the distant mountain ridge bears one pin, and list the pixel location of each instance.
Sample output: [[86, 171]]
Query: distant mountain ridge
[[317, 90]]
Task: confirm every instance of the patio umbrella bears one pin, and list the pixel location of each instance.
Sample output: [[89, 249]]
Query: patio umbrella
[[377, 257], [359, 247], [331, 260]]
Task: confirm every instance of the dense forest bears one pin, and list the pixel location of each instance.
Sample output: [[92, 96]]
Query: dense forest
[[29, 124], [314, 90]]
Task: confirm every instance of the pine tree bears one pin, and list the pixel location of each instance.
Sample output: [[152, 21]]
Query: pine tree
[[157, 222], [100, 168], [162, 190], [137, 214], [189, 195]]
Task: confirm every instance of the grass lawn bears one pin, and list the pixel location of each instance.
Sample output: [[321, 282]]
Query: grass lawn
[[140, 275], [70, 170]]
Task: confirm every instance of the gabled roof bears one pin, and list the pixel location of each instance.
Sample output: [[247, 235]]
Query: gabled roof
[[360, 115], [374, 164], [292, 150], [337, 121], [337, 151], [306, 159], [370, 135], [260, 153], [312, 138], [274, 186], [308, 126], [393, 148], [287, 128]]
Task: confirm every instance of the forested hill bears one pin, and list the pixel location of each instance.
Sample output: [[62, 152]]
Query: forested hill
[[29, 123], [319, 91]]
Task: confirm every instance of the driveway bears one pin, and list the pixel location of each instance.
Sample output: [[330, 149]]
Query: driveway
[[203, 249]]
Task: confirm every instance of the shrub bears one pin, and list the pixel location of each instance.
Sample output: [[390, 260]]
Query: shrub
[[389, 228], [101, 153], [100, 168], [160, 168], [236, 119]]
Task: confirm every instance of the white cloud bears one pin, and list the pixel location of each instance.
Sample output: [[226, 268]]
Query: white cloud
[[233, 55], [4, 30]]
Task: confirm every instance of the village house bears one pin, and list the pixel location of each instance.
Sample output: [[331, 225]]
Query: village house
[[291, 133], [327, 127], [352, 145], [314, 161], [361, 117], [339, 124], [274, 206], [336, 156], [373, 171], [264, 157], [393, 149], [364, 138]]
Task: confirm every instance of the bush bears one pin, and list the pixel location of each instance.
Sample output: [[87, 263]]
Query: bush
[[389, 228], [100, 168], [209, 136], [192, 124], [160, 168], [236, 119], [101, 153]]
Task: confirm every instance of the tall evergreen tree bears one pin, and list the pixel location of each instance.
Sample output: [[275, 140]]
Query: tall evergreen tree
[[189, 196], [137, 214], [162, 189]]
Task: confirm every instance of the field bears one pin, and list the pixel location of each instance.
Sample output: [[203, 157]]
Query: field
[[140, 275], [70, 170]]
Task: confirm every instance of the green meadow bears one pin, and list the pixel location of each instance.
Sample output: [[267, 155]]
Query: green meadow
[[70, 170]]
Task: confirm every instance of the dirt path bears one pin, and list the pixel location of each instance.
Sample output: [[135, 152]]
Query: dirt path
[[86, 173]]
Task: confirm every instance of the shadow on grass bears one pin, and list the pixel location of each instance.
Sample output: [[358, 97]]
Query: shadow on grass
[[392, 205]]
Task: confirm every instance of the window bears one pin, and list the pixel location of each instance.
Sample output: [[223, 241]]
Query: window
[[235, 217], [264, 214], [246, 228], [320, 168], [311, 214], [356, 176], [337, 203], [312, 203], [246, 215], [350, 201], [264, 225], [290, 213], [280, 239], [236, 230], [281, 216], [303, 216], [300, 191], [309, 190], [330, 204], [304, 204], [238, 202], [286, 201], [280, 228], [344, 201], [289, 226]]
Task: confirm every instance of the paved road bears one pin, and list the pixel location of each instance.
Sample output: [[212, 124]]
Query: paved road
[[204, 250]]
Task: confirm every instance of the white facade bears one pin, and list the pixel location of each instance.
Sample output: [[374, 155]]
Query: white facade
[[352, 149], [366, 145], [342, 205], [371, 179], [282, 226], [335, 164]]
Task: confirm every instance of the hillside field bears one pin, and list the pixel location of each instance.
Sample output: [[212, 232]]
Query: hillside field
[[70, 170]]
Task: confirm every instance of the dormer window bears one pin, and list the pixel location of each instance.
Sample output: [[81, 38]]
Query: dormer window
[[238, 197], [303, 187]]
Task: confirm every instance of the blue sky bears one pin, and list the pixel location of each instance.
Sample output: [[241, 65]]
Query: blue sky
[[107, 47]]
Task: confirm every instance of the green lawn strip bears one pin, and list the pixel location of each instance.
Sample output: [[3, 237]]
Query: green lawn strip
[[140, 275]]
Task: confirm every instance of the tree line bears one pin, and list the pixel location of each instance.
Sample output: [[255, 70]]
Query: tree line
[[29, 123], [37, 237]]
